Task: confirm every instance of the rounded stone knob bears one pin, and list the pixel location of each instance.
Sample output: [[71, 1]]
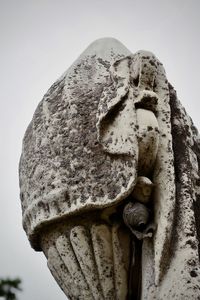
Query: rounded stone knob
[[136, 216]]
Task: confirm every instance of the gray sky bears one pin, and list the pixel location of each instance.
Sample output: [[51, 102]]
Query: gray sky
[[38, 42]]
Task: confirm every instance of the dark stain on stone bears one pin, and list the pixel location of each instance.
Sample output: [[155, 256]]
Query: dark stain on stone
[[67, 198], [105, 63], [193, 273], [192, 244], [182, 166]]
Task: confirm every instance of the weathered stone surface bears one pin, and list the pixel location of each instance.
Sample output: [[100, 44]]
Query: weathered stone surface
[[92, 259], [63, 167], [110, 131]]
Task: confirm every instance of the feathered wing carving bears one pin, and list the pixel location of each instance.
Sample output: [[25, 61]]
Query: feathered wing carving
[[90, 262]]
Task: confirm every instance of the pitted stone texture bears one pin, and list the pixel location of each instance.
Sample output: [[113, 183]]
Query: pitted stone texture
[[84, 151], [85, 133], [63, 167]]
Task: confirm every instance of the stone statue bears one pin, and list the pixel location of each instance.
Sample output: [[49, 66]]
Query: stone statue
[[109, 179]]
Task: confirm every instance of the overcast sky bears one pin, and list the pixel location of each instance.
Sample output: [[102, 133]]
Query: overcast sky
[[39, 40]]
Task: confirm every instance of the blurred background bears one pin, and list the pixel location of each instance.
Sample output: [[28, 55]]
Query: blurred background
[[39, 40]]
